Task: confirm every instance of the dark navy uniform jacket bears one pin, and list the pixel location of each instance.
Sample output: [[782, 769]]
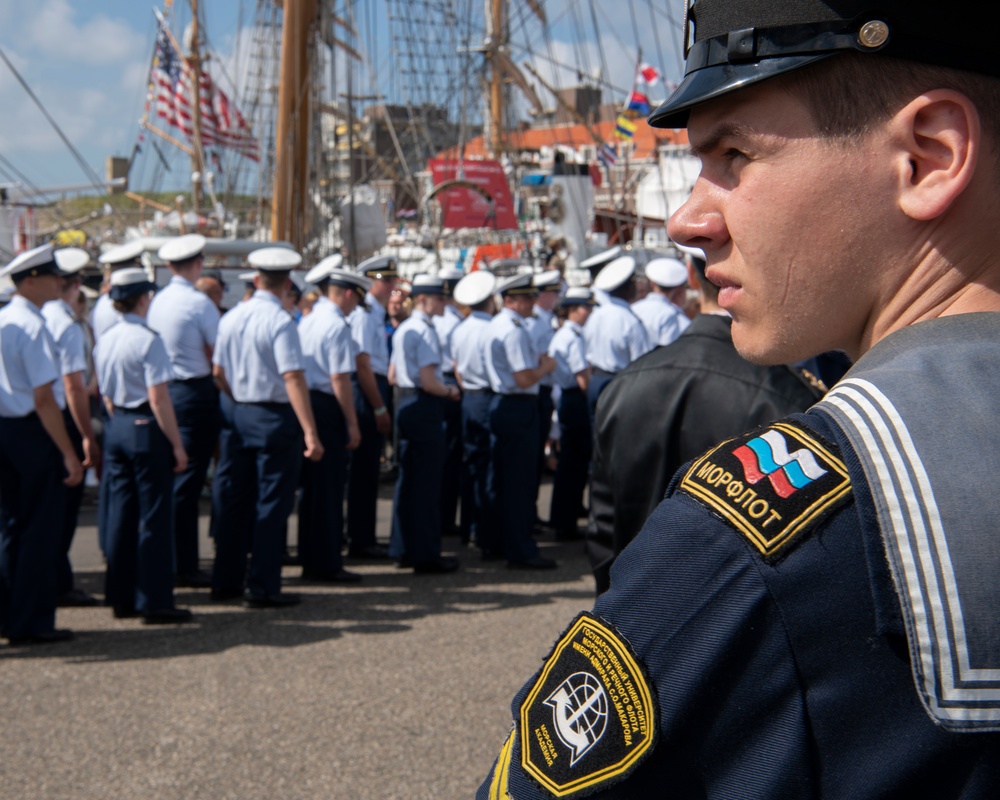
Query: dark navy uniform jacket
[[768, 636]]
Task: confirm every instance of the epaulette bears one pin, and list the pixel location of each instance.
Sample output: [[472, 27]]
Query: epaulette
[[773, 484]]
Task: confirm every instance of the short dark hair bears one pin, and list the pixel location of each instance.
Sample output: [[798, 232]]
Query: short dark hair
[[272, 281], [127, 304], [850, 93]]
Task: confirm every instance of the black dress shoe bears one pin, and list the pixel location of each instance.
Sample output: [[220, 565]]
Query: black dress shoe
[[340, 576], [439, 567], [44, 637], [492, 555], [167, 616], [124, 612], [376, 551], [538, 562], [221, 595], [76, 598], [574, 535], [199, 579], [279, 600]]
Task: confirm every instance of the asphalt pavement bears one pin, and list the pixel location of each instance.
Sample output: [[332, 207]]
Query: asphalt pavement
[[398, 687]]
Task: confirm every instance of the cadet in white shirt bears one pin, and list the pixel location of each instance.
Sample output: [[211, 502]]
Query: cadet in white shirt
[[37, 460], [330, 355], [71, 394], [615, 335], [258, 364], [660, 310], [572, 375], [415, 367], [372, 398], [188, 322], [515, 370], [143, 448], [475, 290]]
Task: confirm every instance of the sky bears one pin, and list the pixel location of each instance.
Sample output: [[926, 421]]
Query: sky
[[87, 62]]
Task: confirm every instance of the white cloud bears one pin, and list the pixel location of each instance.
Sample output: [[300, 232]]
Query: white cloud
[[53, 30]]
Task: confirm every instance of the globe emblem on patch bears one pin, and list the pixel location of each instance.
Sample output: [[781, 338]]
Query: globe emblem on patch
[[579, 713]]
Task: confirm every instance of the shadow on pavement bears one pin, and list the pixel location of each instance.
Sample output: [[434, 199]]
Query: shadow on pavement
[[385, 603]]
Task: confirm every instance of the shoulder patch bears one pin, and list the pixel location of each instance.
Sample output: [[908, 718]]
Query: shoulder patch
[[772, 484], [590, 717], [501, 772]]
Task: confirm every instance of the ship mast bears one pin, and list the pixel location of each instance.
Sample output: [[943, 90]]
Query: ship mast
[[292, 134], [496, 43], [197, 152]]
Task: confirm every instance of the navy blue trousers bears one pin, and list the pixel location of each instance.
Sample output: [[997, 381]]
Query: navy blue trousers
[[598, 381], [365, 469], [262, 451], [512, 477], [475, 461], [74, 498], [545, 409], [416, 513], [196, 404], [32, 507], [321, 506], [138, 467], [451, 478], [573, 467]]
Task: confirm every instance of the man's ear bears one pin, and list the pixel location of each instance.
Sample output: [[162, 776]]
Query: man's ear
[[939, 136]]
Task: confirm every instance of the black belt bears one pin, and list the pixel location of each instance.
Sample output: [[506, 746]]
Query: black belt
[[572, 390], [478, 391], [268, 406], [201, 379], [599, 371], [407, 391], [532, 397], [145, 408]]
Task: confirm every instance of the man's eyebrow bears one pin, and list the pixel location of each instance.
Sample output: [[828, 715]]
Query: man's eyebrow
[[711, 140]]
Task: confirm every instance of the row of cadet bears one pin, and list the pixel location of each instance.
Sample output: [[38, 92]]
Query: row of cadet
[[180, 385]]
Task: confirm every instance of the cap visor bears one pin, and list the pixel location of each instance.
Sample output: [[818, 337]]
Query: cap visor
[[713, 82]]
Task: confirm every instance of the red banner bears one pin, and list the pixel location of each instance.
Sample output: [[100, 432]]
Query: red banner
[[480, 198]]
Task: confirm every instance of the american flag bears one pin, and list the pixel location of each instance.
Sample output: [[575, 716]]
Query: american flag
[[222, 124]]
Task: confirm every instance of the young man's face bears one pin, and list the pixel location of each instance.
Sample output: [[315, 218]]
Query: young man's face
[[796, 229]]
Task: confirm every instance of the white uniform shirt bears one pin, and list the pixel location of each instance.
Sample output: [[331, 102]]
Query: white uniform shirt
[[327, 346], [103, 316], [258, 343], [509, 350], [468, 344], [615, 336], [188, 322], [368, 330], [415, 345], [445, 325], [569, 349], [70, 343], [663, 321], [130, 358], [27, 356]]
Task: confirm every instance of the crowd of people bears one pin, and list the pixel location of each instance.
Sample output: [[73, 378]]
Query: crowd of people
[[470, 386]]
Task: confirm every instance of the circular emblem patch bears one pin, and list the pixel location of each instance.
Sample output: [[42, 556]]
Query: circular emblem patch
[[590, 716]]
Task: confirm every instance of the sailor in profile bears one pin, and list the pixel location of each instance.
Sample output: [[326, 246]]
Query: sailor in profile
[[475, 291], [258, 363], [143, 448], [572, 376], [188, 322], [372, 398], [330, 355], [70, 348], [124, 256], [416, 369], [445, 325], [541, 325], [661, 311], [37, 460], [515, 369], [615, 336]]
